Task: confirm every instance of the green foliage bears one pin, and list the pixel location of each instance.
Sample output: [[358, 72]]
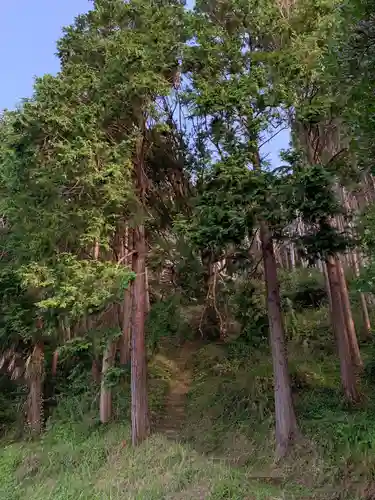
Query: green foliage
[[308, 193], [366, 281], [189, 274], [233, 389], [313, 196], [12, 398], [70, 162], [237, 418], [367, 225], [307, 318], [166, 322], [96, 150], [75, 347], [113, 376], [369, 370], [235, 107], [76, 286], [18, 310], [65, 200], [303, 288], [231, 489], [250, 311], [311, 329], [64, 465], [222, 212], [355, 65]]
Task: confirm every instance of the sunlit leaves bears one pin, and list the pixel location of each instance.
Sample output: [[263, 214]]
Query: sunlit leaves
[[76, 286]]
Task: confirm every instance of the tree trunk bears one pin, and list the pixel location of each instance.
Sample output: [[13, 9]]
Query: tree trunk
[[362, 297], [354, 260], [55, 359], [328, 286], [140, 418], [365, 316], [35, 405], [128, 298], [106, 392], [348, 377], [147, 306], [95, 371], [210, 325], [348, 317], [286, 423], [292, 257], [34, 377], [126, 326]]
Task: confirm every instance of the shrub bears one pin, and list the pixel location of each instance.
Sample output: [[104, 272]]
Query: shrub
[[304, 288], [248, 303], [311, 329], [165, 321], [12, 398]]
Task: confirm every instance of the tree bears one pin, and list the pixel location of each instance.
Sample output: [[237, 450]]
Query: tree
[[307, 48], [57, 204], [310, 197], [230, 96], [83, 151]]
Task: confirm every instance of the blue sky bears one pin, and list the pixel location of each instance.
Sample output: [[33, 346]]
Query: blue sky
[[28, 35]]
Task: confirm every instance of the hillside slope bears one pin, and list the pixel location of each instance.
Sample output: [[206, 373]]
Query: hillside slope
[[213, 439]]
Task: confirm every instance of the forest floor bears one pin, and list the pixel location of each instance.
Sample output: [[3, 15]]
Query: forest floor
[[174, 415], [212, 438]]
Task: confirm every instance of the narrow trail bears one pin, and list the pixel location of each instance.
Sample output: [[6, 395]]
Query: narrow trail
[[174, 418]]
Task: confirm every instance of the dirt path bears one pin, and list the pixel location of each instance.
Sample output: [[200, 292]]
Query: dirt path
[[174, 418]]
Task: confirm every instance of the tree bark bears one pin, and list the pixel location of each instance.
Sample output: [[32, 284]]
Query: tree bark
[[34, 376], [210, 325], [328, 286], [95, 371], [55, 359], [365, 316], [362, 297], [354, 261], [292, 257], [348, 376], [140, 418], [105, 408], [286, 423], [348, 317], [126, 326], [127, 304], [147, 306]]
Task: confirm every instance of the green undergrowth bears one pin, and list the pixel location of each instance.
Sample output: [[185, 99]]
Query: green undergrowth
[[226, 445], [77, 458], [230, 414], [70, 464]]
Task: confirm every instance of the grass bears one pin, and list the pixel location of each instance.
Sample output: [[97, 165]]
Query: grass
[[225, 448], [335, 459], [70, 465]]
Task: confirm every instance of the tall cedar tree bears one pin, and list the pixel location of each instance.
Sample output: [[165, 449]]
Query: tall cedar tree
[[74, 168], [132, 50], [57, 203], [231, 99], [304, 34]]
